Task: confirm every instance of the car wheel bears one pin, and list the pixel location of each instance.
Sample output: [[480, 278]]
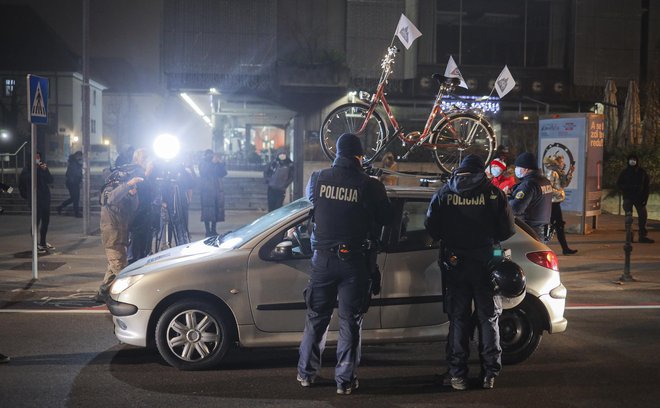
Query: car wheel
[[193, 335], [520, 333]]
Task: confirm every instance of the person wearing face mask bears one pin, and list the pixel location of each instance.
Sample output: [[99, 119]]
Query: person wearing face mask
[[278, 176], [634, 183], [531, 199], [559, 179], [500, 178]]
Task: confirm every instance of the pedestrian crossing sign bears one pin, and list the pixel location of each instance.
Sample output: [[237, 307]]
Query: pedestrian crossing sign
[[37, 100]]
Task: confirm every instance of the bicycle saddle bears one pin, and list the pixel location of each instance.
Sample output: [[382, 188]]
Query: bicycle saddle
[[443, 79]]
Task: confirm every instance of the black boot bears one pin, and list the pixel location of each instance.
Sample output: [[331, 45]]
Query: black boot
[[561, 237]]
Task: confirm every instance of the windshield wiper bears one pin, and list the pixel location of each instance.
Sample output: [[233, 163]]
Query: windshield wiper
[[218, 239]]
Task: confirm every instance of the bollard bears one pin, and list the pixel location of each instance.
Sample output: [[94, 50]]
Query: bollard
[[627, 249]]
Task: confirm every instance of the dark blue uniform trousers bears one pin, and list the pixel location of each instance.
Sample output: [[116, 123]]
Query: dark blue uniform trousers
[[466, 282], [332, 278]]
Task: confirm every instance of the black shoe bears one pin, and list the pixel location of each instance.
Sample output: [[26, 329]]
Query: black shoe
[[347, 388], [569, 251], [488, 382], [646, 240], [4, 359]]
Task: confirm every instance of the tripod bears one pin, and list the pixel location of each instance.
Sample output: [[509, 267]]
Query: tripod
[[173, 226]]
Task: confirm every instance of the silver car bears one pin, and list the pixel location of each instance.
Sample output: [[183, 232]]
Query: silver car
[[245, 288]]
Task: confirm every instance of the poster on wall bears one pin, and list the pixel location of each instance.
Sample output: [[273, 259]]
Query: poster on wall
[[565, 136], [594, 165]]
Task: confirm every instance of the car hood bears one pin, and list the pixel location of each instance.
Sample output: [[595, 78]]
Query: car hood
[[181, 253]]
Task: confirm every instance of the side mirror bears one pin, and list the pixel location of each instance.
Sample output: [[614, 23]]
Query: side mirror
[[283, 250]]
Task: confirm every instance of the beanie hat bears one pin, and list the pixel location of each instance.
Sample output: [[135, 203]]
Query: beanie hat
[[498, 163], [526, 160], [348, 145], [472, 163]]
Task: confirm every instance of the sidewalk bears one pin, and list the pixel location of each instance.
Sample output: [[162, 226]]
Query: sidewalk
[[78, 263]]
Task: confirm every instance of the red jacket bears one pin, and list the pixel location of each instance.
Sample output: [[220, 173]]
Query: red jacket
[[502, 181]]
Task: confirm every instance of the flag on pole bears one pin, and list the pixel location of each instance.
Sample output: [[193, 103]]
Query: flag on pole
[[452, 72], [406, 31], [504, 82]]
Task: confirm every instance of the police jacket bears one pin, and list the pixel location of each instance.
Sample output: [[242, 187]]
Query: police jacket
[[349, 206], [117, 207], [531, 200], [634, 183], [469, 213]]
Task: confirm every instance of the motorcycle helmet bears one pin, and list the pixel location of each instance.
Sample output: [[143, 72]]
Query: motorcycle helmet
[[507, 277]]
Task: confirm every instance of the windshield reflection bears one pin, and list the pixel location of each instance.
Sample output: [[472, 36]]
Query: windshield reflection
[[236, 238]]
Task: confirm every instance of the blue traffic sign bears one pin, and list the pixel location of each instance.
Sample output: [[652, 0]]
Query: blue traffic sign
[[37, 100]]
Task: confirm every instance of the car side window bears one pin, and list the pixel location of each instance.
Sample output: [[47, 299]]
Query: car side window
[[411, 234]]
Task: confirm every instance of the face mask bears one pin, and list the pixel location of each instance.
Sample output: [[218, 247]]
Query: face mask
[[282, 156], [38, 161], [495, 171], [632, 162], [519, 172]]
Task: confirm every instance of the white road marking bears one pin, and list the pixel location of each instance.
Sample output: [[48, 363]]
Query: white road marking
[[611, 307], [58, 311]]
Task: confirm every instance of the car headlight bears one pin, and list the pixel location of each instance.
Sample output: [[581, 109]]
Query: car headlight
[[121, 284]]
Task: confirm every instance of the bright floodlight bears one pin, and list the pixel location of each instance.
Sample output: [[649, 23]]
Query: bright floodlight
[[4, 134], [166, 146]]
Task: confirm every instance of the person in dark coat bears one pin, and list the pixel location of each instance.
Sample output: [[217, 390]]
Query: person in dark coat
[[278, 176], [74, 176], [531, 199], [44, 178], [211, 172], [634, 183]]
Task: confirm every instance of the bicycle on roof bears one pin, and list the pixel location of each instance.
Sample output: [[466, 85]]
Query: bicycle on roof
[[449, 138]]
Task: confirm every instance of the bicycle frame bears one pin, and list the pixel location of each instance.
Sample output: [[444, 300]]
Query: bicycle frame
[[378, 98]]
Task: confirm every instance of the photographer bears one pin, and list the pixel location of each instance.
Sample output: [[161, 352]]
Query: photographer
[[119, 202], [211, 171], [140, 228], [44, 178]]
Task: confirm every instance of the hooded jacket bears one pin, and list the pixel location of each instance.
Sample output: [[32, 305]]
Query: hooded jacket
[[634, 182], [469, 213]]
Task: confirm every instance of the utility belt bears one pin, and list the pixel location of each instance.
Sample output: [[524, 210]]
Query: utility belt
[[346, 252], [453, 257]]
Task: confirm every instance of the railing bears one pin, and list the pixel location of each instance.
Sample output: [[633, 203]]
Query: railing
[[6, 160]]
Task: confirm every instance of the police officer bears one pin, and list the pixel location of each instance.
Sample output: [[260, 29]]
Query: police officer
[[119, 202], [531, 200], [347, 205], [469, 215]]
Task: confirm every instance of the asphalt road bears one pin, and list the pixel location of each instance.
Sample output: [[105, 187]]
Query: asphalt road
[[607, 358]]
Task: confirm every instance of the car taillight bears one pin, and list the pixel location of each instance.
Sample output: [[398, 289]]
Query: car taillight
[[546, 259]]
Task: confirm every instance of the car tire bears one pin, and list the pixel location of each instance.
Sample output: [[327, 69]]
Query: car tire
[[520, 332], [193, 335]]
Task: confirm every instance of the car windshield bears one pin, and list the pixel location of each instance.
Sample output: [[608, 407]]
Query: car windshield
[[235, 239]]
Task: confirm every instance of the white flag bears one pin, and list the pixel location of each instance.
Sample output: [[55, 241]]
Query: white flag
[[453, 72], [406, 31], [504, 82]]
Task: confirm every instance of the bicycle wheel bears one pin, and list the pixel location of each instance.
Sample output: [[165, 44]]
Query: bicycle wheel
[[460, 135], [349, 118]]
